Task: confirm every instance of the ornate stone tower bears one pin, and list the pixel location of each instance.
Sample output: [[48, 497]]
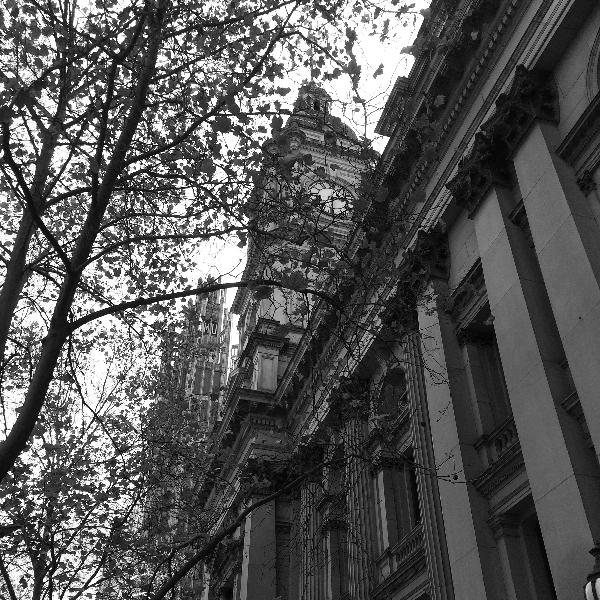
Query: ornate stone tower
[[302, 209], [302, 218]]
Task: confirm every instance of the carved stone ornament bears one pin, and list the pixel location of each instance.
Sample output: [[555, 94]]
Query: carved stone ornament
[[264, 474], [428, 258], [531, 96], [351, 400], [485, 166], [309, 455], [399, 315]]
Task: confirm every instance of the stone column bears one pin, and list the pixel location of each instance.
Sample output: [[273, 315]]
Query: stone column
[[472, 551], [359, 508], [390, 526], [334, 540], [514, 562], [309, 532], [436, 550], [561, 473], [258, 581], [567, 241], [351, 405]]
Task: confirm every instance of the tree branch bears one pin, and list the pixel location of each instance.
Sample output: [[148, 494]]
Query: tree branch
[[29, 199], [139, 302]]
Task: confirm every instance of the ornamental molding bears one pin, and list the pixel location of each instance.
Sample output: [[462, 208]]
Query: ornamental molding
[[532, 96], [507, 468], [428, 257], [484, 167], [262, 475], [467, 95], [582, 135], [464, 96], [468, 296]]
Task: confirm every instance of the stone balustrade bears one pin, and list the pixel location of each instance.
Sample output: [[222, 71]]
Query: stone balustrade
[[400, 555], [492, 446]]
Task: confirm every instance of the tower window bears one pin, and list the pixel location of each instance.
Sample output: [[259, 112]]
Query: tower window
[[317, 105]]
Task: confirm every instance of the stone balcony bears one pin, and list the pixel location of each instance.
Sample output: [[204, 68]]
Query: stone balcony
[[492, 446], [402, 557]]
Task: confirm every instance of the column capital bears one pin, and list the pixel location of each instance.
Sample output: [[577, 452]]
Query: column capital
[[351, 399], [483, 167], [308, 456], [531, 96], [424, 262]]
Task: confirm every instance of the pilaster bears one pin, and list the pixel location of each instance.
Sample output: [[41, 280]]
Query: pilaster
[[438, 566], [507, 534], [472, 551], [311, 565], [258, 559], [531, 355], [350, 403], [567, 241]]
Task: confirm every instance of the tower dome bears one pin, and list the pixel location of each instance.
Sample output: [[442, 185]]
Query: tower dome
[[312, 110]]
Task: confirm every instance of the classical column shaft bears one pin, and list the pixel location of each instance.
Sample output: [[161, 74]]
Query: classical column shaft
[[427, 484], [531, 354], [295, 552], [390, 527], [310, 567], [258, 581], [359, 535], [514, 563], [472, 550], [567, 242], [334, 564]]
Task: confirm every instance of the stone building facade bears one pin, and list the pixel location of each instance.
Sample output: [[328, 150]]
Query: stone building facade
[[195, 359], [445, 411]]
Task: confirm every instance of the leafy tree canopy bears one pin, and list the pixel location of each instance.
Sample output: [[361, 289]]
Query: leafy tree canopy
[[131, 132]]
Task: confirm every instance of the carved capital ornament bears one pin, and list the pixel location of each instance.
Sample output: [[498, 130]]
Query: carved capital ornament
[[532, 96]]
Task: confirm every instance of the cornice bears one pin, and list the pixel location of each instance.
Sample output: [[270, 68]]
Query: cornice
[[466, 98], [470, 82], [581, 135]]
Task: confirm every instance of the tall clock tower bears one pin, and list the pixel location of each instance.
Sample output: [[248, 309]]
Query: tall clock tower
[[302, 216]]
